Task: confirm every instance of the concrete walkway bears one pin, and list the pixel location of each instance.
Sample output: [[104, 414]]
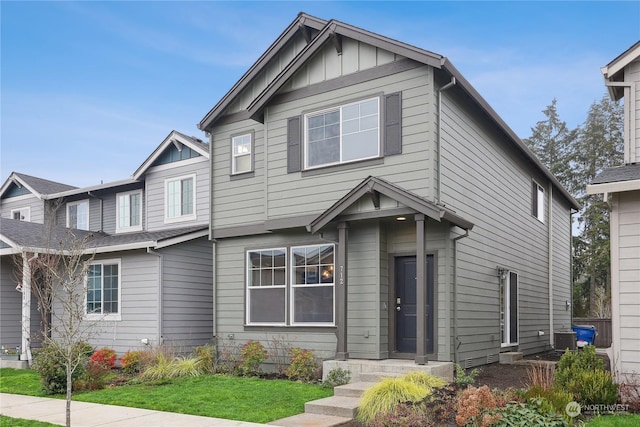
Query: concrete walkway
[[94, 414]]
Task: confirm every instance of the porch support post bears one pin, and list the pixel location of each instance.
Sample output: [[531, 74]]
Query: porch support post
[[341, 292], [26, 308], [421, 292]]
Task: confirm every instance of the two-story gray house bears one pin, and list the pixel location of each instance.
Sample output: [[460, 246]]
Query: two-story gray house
[[150, 277], [367, 202]]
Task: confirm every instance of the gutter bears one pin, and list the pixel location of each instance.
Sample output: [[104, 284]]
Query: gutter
[[550, 264], [439, 137], [150, 251], [457, 341]]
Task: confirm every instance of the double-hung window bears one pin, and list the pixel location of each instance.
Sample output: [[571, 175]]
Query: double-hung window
[[343, 134], [22, 214], [78, 215], [291, 286], [103, 289], [180, 198], [129, 209], [537, 201], [242, 153]]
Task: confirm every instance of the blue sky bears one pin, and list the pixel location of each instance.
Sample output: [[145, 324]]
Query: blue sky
[[89, 89]]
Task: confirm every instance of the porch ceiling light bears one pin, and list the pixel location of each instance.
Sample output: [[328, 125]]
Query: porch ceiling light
[[401, 218]]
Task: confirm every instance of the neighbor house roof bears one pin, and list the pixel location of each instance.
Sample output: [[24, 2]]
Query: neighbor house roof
[[615, 179], [375, 186], [33, 236], [614, 70], [331, 31], [39, 187]]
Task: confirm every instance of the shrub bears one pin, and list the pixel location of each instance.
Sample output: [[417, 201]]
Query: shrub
[[541, 375], [403, 415], [462, 378], [228, 360], [279, 350], [573, 362], [252, 355], [105, 358], [527, 414], [550, 399], [424, 380], [381, 398], [303, 365], [337, 377], [207, 355], [474, 403], [132, 362], [583, 373], [50, 364]]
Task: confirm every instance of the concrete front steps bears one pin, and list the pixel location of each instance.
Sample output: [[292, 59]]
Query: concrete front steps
[[340, 409]]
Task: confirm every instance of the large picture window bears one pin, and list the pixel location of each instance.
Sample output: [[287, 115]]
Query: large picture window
[[180, 198], [343, 134], [128, 206], [78, 215], [291, 287], [103, 288]]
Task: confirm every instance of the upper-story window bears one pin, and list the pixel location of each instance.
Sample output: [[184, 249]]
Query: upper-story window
[[343, 134], [78, 215], [129, 211], [22, 214], [537, 201], [180, 198], [242, 153]]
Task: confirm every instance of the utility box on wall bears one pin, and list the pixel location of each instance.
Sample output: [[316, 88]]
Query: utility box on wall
[[564, 340]]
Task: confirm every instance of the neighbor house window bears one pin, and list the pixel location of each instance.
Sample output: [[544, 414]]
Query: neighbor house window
[[22, 214], [180, 198], [537, 201], [266, 286], [343, 134], [509, 308], [129, 209], [78, 215], [292, 286], [242, 153], [103, 288]]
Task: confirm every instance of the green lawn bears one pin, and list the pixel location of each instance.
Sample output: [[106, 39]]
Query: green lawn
[[20, 422], [243, 399], [615, 420]]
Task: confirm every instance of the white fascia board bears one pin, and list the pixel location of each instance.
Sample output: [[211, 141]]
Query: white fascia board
[[91, 188], [621, 62], [124, 247], [614, 187], [181, 239], [9, 251], [15, 178]]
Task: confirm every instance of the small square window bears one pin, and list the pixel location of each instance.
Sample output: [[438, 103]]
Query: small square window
[[242, 153], [22, 214]]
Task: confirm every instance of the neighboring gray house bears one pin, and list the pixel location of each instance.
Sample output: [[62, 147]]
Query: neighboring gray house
[[622, 183], [150, 279], [348, 167]]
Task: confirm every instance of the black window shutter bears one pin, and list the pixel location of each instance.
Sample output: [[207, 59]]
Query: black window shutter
[[393, 124], [294, 142], [513, 307]]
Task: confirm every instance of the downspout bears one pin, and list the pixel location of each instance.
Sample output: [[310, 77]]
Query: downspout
[[550, 263], [101, 209], [456, 342], [213, 283], [150, 251], [439, 137]]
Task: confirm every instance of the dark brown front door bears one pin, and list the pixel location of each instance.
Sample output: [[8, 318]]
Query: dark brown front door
[[405, 269]]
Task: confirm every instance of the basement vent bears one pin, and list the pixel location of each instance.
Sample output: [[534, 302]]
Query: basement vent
[[491, 358], [467, 363]]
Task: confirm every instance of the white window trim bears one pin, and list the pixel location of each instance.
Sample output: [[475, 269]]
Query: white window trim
[[324, 285], [250, 153], [507, 311], [339, 108], [101, 316], [247, 287], [180, 218], [79, 202], [129, 228], [541, 202], [26, 210]]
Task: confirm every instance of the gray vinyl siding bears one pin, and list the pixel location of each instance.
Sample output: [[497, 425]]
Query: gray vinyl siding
[[628, 212], [561, 259], [383, 265], [11, 309], [187, 294], [35, 205], [486, 180], [290, 194], [634, 113], [155, 192]]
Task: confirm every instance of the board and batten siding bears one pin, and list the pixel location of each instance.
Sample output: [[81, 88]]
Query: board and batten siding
[[625, 244], [187, 294], [35, 205], [488, 181], [633, 112], [273, 193], [155, 192]]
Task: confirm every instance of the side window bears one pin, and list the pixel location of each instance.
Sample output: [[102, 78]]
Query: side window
[[22, 214], [78, 215], [180, 198], [537, 201], [129, 211], [242, 153]]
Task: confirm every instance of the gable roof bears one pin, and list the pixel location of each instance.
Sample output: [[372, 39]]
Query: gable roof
[[372, 185], [332, 31], [34, 236], [39, 187], [614, 70], [176, 138]]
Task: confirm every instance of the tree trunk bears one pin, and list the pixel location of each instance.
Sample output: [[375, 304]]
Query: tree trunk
[[69, 386], [592, 291]]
